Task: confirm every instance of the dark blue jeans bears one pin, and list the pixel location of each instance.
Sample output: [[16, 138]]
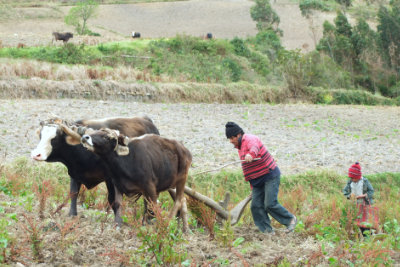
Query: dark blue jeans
[[265, 203]]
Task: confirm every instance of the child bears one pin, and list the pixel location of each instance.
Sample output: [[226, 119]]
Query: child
[[360, 188]]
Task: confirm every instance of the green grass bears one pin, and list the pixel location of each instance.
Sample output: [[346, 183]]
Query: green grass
[[315, 197]]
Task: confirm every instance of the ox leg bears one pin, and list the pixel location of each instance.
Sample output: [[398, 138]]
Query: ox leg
[[117, 206], [184, 215], [74, 188], [111, 195], [145, 211], [148, 215], [178, 200]]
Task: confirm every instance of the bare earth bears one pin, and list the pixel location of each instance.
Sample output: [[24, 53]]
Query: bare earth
[[223, 18], [301, 137]]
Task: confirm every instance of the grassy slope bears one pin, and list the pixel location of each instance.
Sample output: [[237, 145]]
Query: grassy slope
[[180, 69]]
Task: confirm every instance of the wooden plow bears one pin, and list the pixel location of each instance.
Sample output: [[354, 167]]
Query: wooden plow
[[220, 208]]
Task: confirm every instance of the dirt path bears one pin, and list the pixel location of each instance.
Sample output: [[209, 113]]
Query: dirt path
[[301, 137], [223, 18]]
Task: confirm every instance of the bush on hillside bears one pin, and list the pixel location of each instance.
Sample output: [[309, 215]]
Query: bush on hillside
[[347, 97]]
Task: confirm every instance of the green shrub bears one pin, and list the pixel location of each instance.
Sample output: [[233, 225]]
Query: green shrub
[[267, 42], [182, 44], [394, 91], [5, 239], [307, 6], [234, 67], [347, 97], [392, 227], [324, 72], [194, 58], [240, 47], [260, 63], [164, 241], [295, 69]]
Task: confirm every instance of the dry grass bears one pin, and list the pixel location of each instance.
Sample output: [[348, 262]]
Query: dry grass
[[57, 72], [35, 79], [205, 215]]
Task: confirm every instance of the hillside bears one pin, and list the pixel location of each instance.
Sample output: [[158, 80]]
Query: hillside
[[223, 18]]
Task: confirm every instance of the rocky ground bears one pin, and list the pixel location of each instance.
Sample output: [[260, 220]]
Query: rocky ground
[[301, 137]]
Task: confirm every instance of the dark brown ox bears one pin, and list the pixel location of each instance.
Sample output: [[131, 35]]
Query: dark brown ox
[[60, 143], [148, 164], [62, 36]]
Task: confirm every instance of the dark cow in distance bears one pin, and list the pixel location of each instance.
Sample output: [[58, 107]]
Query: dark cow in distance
[[148, 164], [60, 143], [135, 34], [62, 36]]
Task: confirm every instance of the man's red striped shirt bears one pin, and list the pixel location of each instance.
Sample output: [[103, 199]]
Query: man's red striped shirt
[[252, 145]]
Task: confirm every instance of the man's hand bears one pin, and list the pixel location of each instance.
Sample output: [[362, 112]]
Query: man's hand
[[248, 158]]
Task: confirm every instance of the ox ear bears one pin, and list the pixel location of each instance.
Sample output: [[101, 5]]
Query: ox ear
[[122, 150], [72, 141]]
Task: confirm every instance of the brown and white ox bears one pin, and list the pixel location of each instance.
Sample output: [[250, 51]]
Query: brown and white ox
[[60, 142], [148, 164]]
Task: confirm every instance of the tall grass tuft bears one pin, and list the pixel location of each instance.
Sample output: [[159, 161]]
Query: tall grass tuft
[[117, 257], [205, 215], [163, 241], [33, 231], [43, 191]]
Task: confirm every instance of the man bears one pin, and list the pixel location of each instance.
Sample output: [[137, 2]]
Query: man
[[261, 171]]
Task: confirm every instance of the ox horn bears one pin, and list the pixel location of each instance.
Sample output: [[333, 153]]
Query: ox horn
[[233, 215], [70, 133]]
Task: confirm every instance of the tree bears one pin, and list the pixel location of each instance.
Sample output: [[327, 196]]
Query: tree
[[345, 4], [265, 16], [309, 9], [80, 14], [389, 32], [343, 26]]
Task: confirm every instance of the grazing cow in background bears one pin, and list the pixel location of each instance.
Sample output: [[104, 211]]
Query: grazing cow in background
[[148, 164], [63, 36], [60, 143], [135, 34]]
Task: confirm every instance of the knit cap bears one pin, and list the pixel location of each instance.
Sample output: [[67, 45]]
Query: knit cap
[[232, 129], [355, 171]]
